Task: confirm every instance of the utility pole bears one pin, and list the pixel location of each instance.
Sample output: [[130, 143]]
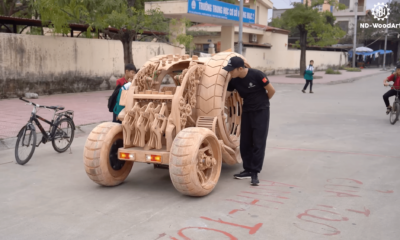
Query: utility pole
[[386, 34], [384, 53], [355, 32], [241, 27]]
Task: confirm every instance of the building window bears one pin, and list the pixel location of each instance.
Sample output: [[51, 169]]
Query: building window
[[345, 2], [319, 7], [344, 25], [205, 47], [199, 47]]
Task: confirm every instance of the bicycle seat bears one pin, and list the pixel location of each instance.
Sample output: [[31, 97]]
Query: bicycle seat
[[56, 107]]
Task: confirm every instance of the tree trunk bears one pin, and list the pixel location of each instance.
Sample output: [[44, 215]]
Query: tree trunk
[[303, 45], [131, 3], [126, 39], [398, 52]]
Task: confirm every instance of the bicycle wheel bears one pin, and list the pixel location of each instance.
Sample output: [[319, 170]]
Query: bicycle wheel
[[63, 135], [25, 145], [394, 114]]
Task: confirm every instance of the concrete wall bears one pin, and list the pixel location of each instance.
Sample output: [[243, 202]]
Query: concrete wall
[[48, 65], [280, 60], [204, 39]]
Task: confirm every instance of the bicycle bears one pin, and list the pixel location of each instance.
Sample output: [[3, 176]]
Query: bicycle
[[61, 130], [395, 112]]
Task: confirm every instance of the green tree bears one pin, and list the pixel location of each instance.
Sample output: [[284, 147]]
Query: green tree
[[313, 27], [99, 15], [394, 16], [21, 8], [15, 8]]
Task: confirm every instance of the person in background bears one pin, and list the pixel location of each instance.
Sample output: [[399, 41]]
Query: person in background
[[118, 108], [309, 76], [130, 71]]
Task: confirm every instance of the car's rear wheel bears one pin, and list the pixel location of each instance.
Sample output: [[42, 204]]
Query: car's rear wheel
[[100, 155]]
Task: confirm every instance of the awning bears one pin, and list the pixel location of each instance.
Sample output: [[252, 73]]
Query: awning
[[369, 53]]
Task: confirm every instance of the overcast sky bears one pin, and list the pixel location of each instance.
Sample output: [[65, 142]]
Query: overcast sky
[[286, 4]]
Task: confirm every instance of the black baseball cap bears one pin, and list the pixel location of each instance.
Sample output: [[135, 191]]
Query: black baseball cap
[[398, 65], [234, 62]]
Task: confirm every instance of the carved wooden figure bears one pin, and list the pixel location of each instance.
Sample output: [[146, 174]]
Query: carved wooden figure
[[157, 128], [129, 124]]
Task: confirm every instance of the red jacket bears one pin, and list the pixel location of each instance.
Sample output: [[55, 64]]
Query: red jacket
[[121, 81], [396, 81]]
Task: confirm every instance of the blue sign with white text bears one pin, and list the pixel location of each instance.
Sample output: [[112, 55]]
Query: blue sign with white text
[[216, 9]]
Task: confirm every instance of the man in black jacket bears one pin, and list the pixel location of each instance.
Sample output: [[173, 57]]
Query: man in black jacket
[[256, 90]]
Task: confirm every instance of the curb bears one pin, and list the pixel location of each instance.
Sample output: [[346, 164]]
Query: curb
[[349, 80]]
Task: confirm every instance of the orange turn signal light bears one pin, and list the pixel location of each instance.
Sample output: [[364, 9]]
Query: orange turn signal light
[[125, 156], [153, 158]]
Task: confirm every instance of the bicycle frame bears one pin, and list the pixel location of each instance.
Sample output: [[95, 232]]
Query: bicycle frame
[[35, 118], [397, 94]]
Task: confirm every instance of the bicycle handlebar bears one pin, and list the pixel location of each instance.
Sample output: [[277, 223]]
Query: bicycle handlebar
[[34, 104], [26, 101], [394, 88]]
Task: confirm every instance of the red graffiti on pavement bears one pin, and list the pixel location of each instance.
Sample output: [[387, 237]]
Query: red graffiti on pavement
[[366, 211], [342, 194], [252, 230], [180, 232], [306, 213], [235, 210]]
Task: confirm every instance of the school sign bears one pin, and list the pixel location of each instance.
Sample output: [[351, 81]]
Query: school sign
[[216, 9]]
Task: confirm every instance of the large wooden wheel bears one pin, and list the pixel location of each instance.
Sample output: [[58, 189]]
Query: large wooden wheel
[[101, 155], [195, 161]]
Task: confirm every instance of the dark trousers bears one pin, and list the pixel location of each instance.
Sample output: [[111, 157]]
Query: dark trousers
[[253, 139], [389, 94], [115, 118], [308, 82]]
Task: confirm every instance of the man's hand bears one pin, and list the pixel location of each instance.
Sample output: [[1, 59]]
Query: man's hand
[[270, 89], [386, 84]]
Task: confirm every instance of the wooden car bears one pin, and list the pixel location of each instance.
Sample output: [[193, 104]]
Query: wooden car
[[190, 128]]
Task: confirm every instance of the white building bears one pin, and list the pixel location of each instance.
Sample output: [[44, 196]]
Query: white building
[[345, 18]]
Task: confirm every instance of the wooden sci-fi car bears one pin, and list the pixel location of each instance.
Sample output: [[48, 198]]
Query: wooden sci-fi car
[[190, 128]]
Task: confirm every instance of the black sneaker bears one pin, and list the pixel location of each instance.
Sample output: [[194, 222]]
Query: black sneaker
[[243, 175], [304, 91], [254, 179], [388, 110]]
